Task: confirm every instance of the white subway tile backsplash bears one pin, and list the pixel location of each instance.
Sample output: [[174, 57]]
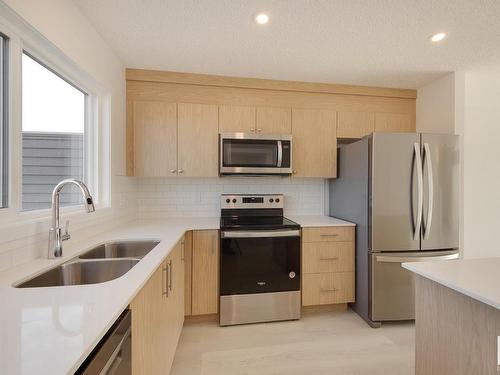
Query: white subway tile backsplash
[[160, 198]]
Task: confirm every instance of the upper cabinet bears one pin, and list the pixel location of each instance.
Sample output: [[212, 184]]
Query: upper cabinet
[[273, 120], [314, 144], [173, 119], [155, 138], [171, 139], [233, 119], [198, 140], [394, 122], [355, 124]]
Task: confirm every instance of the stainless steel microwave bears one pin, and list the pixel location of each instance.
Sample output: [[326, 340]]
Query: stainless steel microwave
[[255, 154]]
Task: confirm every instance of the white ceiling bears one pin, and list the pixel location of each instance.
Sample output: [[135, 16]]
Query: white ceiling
[[366, 42]]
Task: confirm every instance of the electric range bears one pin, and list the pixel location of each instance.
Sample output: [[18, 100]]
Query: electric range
[[259, 262]]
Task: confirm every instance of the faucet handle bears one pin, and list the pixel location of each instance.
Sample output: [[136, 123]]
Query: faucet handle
[[66, 235]]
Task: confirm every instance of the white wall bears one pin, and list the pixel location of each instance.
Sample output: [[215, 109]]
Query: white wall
[[481, 130], [61, 22], [436, 106], [189, 197]]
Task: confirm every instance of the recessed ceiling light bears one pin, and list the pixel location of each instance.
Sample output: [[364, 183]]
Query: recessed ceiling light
[[438, 37], [262, 18]]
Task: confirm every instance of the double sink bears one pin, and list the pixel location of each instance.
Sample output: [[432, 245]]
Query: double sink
[[102, 263]]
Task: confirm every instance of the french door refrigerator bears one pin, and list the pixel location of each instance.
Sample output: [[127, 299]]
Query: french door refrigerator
[[401, 190]]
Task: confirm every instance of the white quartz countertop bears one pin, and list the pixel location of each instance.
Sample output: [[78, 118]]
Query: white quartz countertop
[[52, 330], [319, 221], [476, 278]]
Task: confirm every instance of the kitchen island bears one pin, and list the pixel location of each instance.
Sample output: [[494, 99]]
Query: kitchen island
[[457, 317]]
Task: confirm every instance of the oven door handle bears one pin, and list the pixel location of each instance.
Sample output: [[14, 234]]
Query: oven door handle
[[260, 233]]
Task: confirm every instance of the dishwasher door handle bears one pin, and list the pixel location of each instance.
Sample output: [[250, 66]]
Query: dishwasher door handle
[[116, 357]]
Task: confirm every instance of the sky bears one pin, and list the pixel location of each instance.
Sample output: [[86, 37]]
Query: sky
[[50, 104]]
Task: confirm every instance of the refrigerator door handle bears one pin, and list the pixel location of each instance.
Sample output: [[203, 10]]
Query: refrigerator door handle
[[403, 259], [420, 188], [428, 160]]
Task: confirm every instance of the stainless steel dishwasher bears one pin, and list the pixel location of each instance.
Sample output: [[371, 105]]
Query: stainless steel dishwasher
[[112, 356]]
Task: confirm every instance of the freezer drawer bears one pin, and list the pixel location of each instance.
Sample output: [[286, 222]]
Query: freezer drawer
[[392, 286]]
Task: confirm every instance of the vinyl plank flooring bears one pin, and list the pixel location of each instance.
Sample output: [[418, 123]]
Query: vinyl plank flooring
[[333, 343]]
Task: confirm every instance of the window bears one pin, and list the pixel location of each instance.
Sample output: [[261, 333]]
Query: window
[[3, 123], [53, 135]]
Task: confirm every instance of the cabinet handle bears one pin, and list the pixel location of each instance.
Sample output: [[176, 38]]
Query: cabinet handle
[[294, 171], [181, 171], [329, 290], [329, 235], [259, 130], [252, 130], [183, 256], [171, 268], [330, 258], [173, 171], [164, 276]]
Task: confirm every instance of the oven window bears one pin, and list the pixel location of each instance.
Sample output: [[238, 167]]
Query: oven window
[[259, 265], [250, 153]]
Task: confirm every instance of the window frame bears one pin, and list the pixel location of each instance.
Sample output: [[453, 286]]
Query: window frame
[[23, 37], [89, 155], [4, 123]]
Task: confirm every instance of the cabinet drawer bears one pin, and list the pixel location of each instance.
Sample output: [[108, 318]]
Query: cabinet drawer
[[328, 234], [327, 288], [327, 257]]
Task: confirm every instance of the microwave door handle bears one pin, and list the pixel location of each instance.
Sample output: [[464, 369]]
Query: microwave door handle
[[280, 154]]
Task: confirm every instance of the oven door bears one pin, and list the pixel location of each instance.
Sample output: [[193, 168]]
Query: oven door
[[259, 261], [242, 153]]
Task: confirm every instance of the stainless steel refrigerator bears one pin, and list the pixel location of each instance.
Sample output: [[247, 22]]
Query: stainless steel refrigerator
[[401, 189]]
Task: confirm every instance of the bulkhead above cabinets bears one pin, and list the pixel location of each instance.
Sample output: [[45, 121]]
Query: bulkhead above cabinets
[[174, 120]]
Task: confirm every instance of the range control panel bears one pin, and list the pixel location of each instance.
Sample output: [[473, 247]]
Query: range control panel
[[242, 201]]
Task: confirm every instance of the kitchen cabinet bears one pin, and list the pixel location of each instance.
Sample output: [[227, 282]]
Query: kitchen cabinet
[[158, 317], [188, 262], [198, 140], [314, 133], [233, 119], [246, 119], [394, 122], [355, 125], [173, 139], [155, 138], [328, 265], [273, 120], [205, 272]]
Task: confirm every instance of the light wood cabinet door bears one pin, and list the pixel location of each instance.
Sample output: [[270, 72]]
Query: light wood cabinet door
[[273, 120], [205, 277], [394, 122], [155, 138], [354, 125], [234, 118], [327, 288], [150, 326], [188, 275], [314, 134], [198, 140], [320, 257]]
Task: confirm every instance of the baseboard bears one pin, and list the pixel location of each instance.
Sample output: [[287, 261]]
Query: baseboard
[[201, 318], [324, 308]]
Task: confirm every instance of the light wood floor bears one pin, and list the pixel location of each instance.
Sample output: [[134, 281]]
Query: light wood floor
[[333, 343]]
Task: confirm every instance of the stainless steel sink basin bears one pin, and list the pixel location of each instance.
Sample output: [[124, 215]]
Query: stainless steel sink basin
[[80, 272], [124, 249]]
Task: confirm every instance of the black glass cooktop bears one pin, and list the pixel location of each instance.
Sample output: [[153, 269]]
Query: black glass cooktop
[[257, 222]]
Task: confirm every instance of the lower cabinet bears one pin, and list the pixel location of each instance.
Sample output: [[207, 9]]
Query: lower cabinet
[[327, 265], [158, 316]]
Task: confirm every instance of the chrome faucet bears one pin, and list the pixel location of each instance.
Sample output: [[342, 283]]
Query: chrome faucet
[[55, 237]]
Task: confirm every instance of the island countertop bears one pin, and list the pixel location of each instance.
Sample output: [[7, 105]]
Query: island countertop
[[476, 278]]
